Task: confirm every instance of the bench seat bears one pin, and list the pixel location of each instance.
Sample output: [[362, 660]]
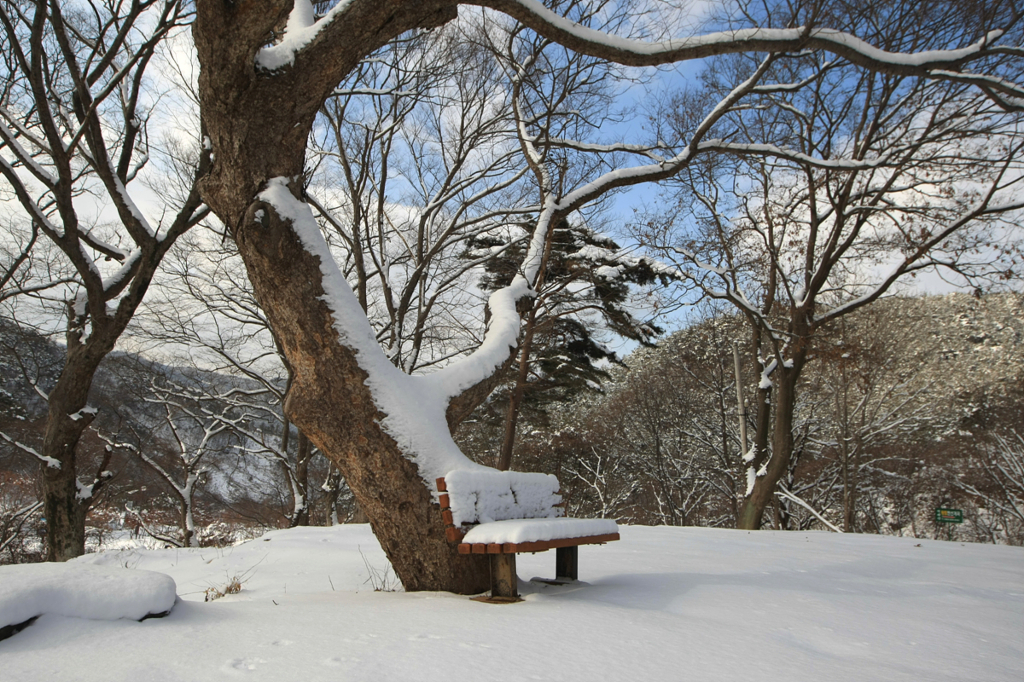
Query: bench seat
[[536, 535]]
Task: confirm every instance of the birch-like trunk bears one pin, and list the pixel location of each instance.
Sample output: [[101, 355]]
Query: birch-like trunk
[[763, 494]]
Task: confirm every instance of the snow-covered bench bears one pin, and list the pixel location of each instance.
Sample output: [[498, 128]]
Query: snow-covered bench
[[504, 513]]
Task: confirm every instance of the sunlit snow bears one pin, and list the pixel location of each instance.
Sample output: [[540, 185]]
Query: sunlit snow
[[662, 604]]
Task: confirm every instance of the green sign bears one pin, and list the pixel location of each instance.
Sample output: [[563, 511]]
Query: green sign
[[949, 516]]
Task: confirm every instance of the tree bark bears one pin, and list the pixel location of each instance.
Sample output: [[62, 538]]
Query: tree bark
[[63, 507], [753, 506], [749, 515], [332, 406], [258, 125]]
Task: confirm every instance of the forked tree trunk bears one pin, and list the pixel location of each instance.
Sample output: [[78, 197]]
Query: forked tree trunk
[[330, 403], [784, 386], [258, 126]]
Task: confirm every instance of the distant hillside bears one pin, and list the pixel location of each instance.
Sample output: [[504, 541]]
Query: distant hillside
[[896, 411], [249, 486], [970, 348]]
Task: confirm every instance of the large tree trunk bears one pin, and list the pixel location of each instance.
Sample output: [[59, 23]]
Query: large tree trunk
[[258, 126], [331, 404]]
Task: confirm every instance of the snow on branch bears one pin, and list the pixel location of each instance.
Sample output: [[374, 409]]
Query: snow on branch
[[11, 523], [301, 29], [502, 333], [414, 406], [48, 461], [787, 495], [640, 53], [771, 150], [640, 149]]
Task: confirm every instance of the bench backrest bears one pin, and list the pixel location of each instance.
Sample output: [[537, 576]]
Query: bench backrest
[[482, 496]]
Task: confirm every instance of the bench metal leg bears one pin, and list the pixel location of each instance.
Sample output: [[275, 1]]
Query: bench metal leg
[[567, 563], [504, 582]]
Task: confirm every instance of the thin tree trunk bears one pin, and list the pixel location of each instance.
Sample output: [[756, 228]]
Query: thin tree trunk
[[763, 494], [852, 483], [302, 457], [187, 524], [749, 515], [63, 507], [332, 486], [516, 399]]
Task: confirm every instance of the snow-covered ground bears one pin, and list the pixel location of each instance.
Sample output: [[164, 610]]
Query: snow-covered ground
[[662, 604]]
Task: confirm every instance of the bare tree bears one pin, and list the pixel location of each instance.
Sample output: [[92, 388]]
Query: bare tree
[[415, 156], [998, 487], [74, 133], [837, 182], [204, 315], [877, 386], [18, 511], [178, 447], [669, 418], [27, 267], [259, 104]]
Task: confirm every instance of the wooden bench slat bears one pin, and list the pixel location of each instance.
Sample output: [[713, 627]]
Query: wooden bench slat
[[536, 546]]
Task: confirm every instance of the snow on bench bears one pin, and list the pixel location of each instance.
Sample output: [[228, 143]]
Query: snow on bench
[[503, 513], [527, 531], [78, 590]]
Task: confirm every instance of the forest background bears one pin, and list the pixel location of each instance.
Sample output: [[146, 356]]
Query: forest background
[[422, 189]]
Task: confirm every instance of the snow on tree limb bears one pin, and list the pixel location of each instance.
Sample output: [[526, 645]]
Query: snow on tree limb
[[783, 493], [301, 29], [639, 53], [414, 406], [48, 461]]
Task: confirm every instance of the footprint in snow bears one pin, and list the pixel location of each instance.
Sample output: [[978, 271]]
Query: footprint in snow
[[241, 665]]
